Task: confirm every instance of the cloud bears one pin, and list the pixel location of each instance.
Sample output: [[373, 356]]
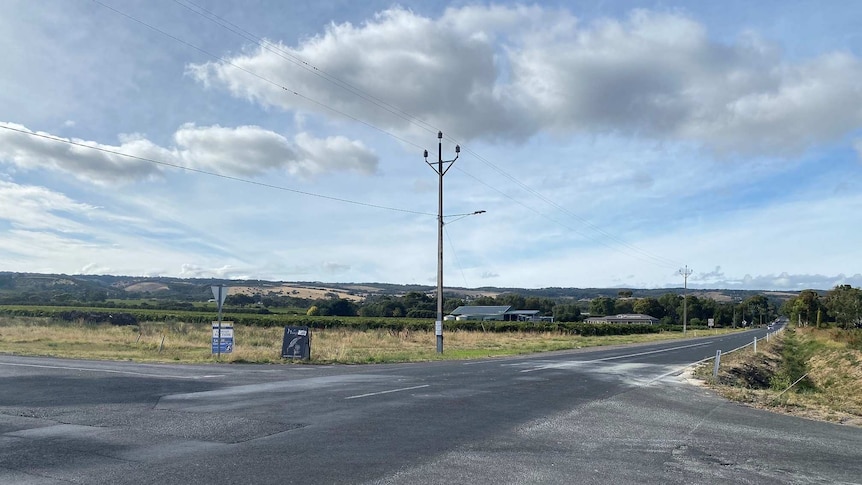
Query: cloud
[[335, 268], [242, 151], [85, 160], [784, 281], [38, 208], [495, 71]]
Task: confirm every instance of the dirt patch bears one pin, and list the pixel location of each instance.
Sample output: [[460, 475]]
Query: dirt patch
[[146, 287], [298, 291]]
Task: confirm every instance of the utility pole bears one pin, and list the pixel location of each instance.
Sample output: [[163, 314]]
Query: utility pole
[[441, 171], [685, 274]]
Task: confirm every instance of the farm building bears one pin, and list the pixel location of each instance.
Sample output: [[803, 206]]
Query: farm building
[[629, 318], [498, 313]]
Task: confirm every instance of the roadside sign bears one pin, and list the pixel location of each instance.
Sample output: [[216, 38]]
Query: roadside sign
[[219, 293], [296, 343], [710, 322], [225, 346]]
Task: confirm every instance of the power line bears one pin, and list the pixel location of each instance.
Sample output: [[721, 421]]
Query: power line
[[296, 60], [302, 63], [655, 259], [258, 76], [214, 174]]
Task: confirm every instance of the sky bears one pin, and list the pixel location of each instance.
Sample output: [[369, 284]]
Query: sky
[[609, 143]]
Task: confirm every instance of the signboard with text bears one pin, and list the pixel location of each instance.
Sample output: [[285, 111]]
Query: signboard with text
[[222, 340], [297, 343]]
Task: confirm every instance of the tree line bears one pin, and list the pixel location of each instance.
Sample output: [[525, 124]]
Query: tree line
[[754, 310], [841, 307]]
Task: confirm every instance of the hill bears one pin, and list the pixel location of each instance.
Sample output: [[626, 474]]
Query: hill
[[34, 287]]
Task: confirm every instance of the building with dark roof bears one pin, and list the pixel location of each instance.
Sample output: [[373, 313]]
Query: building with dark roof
[[628, 318], [498, 313]]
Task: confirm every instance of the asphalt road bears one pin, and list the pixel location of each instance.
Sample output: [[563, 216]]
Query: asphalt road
[[619, 415]]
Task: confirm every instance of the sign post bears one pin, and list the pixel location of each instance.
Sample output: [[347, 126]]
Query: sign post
[[220, 294], [222, 338]]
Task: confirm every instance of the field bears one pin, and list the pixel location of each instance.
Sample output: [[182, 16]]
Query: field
[[190, 342]]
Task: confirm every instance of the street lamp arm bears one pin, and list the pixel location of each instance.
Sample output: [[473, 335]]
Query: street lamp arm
[[461, 216]]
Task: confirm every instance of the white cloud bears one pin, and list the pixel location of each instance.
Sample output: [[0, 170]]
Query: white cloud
[[500, 71], [241, 151], [38, 208], [85, 160]]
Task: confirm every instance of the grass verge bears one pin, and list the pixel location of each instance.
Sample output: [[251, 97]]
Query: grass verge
[[190, 342], [814, 373]]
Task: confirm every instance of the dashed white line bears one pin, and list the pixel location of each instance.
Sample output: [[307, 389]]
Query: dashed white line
[[387, 392]]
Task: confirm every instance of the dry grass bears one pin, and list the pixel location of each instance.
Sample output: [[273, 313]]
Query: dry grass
[[184, 342], [834, 378]]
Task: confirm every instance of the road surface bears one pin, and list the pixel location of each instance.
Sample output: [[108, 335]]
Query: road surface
[[609, 415]]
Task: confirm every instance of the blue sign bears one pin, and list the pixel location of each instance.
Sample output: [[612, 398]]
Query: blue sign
[[225, 346]]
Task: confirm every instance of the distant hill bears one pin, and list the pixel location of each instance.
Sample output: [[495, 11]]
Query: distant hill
[[23, 287]]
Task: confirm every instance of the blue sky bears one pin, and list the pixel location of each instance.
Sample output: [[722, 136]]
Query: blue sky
[[610, 143]]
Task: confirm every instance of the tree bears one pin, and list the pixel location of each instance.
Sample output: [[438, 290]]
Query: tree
[[648, 306], [313, 311], [757, 307], [845, 303], [484, 301], [601, 306], [239, 300], [544, 305], [623, 305], [567, 313], [806, 305], [672, 304], [516, 301]]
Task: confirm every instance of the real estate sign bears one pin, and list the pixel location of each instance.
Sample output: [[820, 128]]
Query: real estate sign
[[222, 337]]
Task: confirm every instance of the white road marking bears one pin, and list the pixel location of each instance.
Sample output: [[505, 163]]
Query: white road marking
[[387, 392], [109, 371], [625, 356]]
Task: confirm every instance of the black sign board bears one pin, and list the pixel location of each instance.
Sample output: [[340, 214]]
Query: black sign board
[[297, 343]]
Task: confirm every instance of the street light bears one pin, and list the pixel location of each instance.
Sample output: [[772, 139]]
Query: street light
[[441, 171]]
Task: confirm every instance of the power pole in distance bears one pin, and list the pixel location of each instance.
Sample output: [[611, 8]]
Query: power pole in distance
[[441, 171], [685, 274]]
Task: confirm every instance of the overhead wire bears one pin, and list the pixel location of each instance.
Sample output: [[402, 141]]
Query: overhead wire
[[214, 174], [258, 76], [304, 64], [660, 260]]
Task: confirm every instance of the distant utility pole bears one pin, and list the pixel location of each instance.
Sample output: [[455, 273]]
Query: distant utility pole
[[685, 272], [441, 171]]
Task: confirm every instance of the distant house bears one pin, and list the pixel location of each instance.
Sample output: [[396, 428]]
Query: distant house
[[629, 318], [495, 313]]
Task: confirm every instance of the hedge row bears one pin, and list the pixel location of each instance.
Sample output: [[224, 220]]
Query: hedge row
[[99, 315]]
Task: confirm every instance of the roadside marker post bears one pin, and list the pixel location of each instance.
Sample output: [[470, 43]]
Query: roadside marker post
[[717, 362]]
